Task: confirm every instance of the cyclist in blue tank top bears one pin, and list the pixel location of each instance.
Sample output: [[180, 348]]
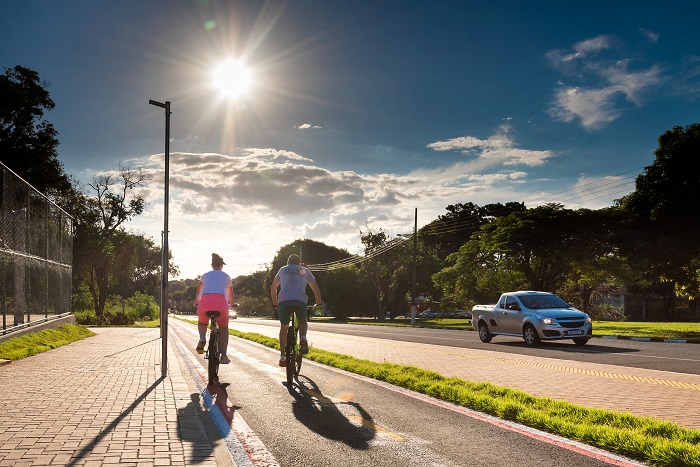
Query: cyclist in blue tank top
[[291, 280]]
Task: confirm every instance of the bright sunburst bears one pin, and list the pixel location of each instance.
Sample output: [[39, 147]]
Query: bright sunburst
[[232, 78]]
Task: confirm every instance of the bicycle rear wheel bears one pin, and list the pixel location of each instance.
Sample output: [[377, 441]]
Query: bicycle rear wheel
[[297, 362], [213, 354], [290, 355]]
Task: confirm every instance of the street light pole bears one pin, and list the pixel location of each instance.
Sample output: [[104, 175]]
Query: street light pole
[[164, 263], [413, 272]]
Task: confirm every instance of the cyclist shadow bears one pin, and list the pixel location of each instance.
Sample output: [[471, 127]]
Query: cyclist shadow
[[321, 415], [230, 411]]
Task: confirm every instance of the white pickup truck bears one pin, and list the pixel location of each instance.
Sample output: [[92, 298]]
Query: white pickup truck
[[535, 316]]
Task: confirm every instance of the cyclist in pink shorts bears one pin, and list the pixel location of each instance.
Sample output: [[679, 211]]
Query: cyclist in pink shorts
[[215, 293]]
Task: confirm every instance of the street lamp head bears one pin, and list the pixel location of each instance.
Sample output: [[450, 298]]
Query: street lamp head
[[158, 104]]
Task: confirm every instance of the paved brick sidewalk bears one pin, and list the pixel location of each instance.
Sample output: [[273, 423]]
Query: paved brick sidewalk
[[101, 401]]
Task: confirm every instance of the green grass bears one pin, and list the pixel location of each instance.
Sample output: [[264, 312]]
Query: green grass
[[661, 443], [655, 330], [35, 343], [154, 323]]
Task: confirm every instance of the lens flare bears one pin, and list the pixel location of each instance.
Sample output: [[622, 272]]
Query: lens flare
[[232, 78]]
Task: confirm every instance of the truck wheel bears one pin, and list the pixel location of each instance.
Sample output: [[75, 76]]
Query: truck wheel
[[581, 340], [484, 333], [530, 335]]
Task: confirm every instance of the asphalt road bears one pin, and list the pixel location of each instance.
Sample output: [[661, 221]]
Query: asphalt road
[[666, 356], [336, 419]]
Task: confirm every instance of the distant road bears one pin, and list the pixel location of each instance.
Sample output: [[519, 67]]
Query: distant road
[[680, 358]]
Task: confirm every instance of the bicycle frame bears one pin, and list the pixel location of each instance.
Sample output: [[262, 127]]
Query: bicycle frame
[[292, 351], [212, 353]]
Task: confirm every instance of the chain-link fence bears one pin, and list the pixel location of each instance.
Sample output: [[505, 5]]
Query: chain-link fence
[[36, 252]]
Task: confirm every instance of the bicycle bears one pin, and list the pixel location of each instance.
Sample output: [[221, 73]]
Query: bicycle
[[212, 353], [292, 351]]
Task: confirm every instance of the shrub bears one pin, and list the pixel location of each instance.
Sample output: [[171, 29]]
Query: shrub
[[607, 313], [121, 312]]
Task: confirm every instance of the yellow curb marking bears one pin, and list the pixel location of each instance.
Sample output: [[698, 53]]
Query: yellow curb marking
[[377, 429], [320, 397], [583, 371]]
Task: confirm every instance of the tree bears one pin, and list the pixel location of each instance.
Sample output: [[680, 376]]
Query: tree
[[139, 260], [28, 143], [252, 295], [546, 248], [181, 295], [99, 230], [473, 275], [662, 212], [388, 267], [450, 231], [346, 293]]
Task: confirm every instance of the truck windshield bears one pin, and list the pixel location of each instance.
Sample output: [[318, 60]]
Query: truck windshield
[[539, 302]]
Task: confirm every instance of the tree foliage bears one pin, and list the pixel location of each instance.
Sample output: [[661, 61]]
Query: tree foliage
[[103, 250], [663, 229], [28, 142]]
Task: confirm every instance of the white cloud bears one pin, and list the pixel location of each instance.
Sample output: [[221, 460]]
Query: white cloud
[[247, 206], [308, 126], [603, 78], [687, 84], [593, 45], [495, 150], [651, 36], [594, 107], [633, 85]]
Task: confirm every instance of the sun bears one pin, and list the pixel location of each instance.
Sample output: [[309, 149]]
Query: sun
[[232, 78]]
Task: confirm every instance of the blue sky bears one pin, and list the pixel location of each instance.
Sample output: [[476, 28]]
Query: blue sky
[[358, 111]]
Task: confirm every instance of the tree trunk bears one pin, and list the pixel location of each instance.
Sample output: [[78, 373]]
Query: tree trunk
[[670, 302]]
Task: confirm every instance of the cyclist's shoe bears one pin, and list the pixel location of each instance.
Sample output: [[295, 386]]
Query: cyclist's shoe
[[283, 361], [224, 360], [200, 346], [304, 346]]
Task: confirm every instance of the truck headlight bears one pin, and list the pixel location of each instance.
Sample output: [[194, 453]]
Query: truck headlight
[[545, 320], [588, 319]]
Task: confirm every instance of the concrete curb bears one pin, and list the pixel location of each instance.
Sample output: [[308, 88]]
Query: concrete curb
[[648, 339]]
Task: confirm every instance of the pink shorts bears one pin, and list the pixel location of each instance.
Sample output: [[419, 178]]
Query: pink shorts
[[213, 302]]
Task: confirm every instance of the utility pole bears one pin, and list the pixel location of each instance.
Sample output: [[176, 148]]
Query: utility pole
[[413, 276], [164, 264]]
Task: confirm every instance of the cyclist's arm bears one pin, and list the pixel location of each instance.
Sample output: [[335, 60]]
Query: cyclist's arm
[[229, 293], [316, 290], [199, 291], [273, 290]]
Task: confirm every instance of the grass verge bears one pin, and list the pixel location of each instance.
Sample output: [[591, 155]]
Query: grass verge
[[656, 330], [38, 342], [658, 442]]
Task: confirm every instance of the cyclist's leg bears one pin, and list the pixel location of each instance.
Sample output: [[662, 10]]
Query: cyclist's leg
[[202, 322], [283, 337], [303, 327], [222, 321], [223, 343]]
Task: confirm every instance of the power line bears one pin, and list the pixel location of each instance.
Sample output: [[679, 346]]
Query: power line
[[618, 184]]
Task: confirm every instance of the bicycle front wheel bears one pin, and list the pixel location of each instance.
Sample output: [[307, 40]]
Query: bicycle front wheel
[[213, 353]]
